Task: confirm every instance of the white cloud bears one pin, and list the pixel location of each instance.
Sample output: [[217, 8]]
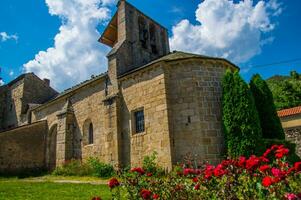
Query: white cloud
[[235, 31], [1, 82], [176, 9], [76, 54], [5, 36], [11, 73]]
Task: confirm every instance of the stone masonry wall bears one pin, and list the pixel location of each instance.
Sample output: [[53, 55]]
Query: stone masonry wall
[[23, 148], [292, 129], [28, 89], [36, 91], [12, 113], [145, 90], [294, 135], [87, 106], [3, 106], [194, 101]]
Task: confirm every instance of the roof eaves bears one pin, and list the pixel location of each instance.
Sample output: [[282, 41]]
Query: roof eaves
[[71, 90], [289, 112], [166, 59]]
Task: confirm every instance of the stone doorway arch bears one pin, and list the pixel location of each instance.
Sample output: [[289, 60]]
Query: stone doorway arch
[[51, 148]]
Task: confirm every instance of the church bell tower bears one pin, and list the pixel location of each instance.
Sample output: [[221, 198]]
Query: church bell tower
[[135, 40]]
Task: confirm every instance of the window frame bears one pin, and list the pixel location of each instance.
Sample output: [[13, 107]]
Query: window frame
[[135, 124], [90, 134]]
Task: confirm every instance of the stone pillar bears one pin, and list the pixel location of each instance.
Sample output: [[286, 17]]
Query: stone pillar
[[112, 131], [65, 135]]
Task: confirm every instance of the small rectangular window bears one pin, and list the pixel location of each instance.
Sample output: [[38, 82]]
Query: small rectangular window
[[139, 121]]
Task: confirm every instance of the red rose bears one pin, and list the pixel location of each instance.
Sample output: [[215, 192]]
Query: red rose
[[267, 152], [189, 171], [276, 180], [96, 198], [219, 171], [179, 173], [281, 146], [264, 168], [113, 182], [252, 162], [197, 171], [278, 173], [297, 166], [290, 170], [145, 194], [197, 186], [195, 179], [264, 159], [291, 197], [226, 163], [267, 181], [149, 174], [275, 146], [139, 170], [242, 161], [156, 196], [209, 171], [281, 152]]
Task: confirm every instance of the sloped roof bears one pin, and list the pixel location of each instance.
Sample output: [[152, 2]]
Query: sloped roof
[[18, 79], [72, 89], [289, 112], [109, 36], [175, 55], [178, 55]]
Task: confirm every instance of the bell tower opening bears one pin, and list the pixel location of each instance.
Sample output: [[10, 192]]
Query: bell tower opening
[[135, 39], [143, 33]]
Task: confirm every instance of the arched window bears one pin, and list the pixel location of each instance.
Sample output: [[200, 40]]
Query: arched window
[[88, 132], [91, 136]]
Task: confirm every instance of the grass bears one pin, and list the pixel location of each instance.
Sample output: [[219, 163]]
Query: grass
[[72, 178], [53, 178], [14, 189]]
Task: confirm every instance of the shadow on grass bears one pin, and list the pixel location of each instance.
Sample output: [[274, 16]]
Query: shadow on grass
[[24, 173]]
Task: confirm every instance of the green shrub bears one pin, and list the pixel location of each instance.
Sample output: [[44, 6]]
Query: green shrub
[[269, 120], [239, 115], [73, 168], [267, 143], [150, 164], [93, 167], [267, 176], [100, 169]]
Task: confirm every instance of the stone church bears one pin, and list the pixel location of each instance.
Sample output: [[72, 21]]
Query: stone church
[[150, 99]]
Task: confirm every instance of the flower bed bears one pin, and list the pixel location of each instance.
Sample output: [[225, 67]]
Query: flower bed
[[266, 177]]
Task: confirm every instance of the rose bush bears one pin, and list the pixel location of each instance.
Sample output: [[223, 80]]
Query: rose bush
[[268, 176]]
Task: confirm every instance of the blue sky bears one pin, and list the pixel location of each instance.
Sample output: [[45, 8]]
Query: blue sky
[[31, 27]]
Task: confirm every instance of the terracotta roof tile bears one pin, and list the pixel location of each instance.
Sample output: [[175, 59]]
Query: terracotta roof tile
[[289, 112]]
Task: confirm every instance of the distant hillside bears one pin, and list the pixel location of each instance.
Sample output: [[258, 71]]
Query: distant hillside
[[286, 90]]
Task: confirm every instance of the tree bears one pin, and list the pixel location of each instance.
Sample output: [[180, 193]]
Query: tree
[[295, 75], [269, 120], [240, 118], [286, 90]]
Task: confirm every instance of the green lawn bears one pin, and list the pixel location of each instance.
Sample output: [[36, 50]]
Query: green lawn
[[13, 189]]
